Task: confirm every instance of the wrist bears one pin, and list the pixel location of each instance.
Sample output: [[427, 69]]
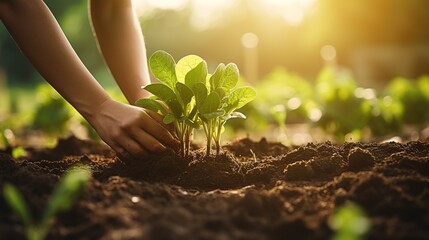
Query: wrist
[[139, 95], [91, 110]]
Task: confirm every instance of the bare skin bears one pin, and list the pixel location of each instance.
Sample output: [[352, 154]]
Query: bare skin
[[127, 129]]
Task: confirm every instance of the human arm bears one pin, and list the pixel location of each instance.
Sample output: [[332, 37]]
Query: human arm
[[121, 126], [121, 41]]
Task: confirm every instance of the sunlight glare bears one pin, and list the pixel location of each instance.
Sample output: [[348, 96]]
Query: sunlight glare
[[205, 13], [293, 11], [249, 40], [294, 103], [315, 114], [328, 53], [168, 4], [143, 7]]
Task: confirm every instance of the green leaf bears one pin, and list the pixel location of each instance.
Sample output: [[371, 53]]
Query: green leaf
[[16, 201], [163, 66], [216, 79], [66, 192], [200, 93], [185, 65], [175, 107], [197, 74], [240, 97], [160, 90], [169, 118], [221, 92], [151, 104], [184, 92], [210, 104], [193, 112], [230, 76], [235, 115], [212, 115]]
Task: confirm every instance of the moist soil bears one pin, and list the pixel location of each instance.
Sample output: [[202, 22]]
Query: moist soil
[[253, 190]]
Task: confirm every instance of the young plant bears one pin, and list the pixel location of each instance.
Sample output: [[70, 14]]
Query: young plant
[[189, 97], [217, 101], [278, 112], [64, 195], [173, 96]]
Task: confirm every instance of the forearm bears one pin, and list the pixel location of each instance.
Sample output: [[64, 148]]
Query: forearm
[[121, 42], [39, 36]]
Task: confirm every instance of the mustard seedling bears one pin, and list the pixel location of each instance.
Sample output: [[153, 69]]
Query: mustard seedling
[[64, 195], [189, 97]]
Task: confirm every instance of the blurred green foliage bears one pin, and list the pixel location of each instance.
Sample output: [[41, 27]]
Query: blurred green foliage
[[52, 113], [343, 112], [414, 98], [349, 222], [71, 185], [335, 103]]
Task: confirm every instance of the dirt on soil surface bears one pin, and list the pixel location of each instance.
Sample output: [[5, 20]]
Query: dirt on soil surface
[[253, 190]]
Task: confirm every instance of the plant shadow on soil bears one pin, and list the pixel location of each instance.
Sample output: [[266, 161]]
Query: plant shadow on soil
[[253, 190]]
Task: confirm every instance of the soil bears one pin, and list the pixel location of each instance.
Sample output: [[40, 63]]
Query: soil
[[253, 190]]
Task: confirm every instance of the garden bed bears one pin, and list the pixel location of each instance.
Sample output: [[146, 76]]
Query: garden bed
[[253, 190]]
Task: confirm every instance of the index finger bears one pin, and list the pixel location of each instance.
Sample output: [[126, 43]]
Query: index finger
[[158, 130], [159, 118]]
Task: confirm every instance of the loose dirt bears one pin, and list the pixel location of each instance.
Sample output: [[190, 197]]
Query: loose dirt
[[253, 190]]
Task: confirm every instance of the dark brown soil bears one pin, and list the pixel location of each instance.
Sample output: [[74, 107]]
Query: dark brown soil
[[254, 190]]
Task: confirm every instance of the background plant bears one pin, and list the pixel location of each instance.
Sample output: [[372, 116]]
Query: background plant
[[52, 113], [62, 199]]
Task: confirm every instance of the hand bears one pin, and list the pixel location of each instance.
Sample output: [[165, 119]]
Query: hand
[[132, 130]]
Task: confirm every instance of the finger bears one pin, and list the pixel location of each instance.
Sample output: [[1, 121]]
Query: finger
[[132, 147], [159, 119], [147, 141], [155, 115], [154, 128], [120, 152]]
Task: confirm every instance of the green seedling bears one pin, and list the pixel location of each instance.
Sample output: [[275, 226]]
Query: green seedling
[[173, 96], [218, 100], [349, 223], [278, 112], [64, 195], [189, 97]]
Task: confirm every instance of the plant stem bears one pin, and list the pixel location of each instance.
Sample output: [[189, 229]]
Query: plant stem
[[182, 140], [209, 137], [188, 131], [217, 136]]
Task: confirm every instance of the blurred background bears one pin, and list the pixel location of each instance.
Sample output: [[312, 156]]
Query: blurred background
[[324, 69]]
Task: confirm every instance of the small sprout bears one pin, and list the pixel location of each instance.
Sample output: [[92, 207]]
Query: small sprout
[[18, 152], [279, 114], [349, 222], [64, 195]]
